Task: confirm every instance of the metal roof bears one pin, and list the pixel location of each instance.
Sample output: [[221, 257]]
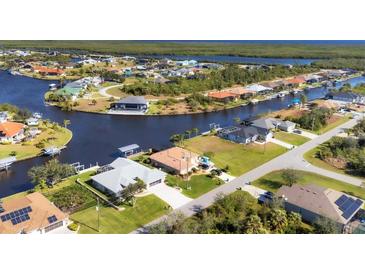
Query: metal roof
[[128, 148], [133, 100]]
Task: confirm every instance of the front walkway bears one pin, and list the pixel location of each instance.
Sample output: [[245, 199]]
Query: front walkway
[[170, 195], [281, 143], [307, 134]]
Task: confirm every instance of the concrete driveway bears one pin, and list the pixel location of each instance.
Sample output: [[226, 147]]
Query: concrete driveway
[[170, 195], [307, 134], [281, 143]]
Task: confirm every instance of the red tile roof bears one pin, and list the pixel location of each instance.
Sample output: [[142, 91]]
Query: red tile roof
[[222, 95], [48, 70], [9, 129]]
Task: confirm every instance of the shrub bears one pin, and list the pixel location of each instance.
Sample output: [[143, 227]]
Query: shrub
[[73, 226]]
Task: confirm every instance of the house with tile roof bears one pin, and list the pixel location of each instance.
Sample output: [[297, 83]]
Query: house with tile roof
[[33, 213], [223, 96], [176, 160], [11, 132]]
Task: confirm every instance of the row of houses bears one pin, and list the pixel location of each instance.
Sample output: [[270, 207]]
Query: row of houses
[[257, 130]]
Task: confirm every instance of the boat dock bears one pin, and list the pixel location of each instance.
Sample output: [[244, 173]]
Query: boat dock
[[7, 162]]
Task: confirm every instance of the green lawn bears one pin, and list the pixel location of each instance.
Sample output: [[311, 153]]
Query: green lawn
[[112, 221], [273, 181], [199, 184], [239, 158], [291, 138]]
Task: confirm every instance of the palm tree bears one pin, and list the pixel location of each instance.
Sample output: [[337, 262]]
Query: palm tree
[[254, 225], [278, 220], [195, 131], [66, 123], [188, 133]]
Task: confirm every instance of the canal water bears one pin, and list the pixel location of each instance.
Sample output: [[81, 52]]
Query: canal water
[[96, 137]]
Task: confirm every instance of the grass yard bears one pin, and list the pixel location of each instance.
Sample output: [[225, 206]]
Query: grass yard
[[291, 138], [113, 221], [28, 149], [199, 184], [239, 158], [273, 181]]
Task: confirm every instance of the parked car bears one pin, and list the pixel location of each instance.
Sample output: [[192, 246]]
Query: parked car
[[297, 131]]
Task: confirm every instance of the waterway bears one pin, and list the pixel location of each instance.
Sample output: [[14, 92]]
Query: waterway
[[96, 137]]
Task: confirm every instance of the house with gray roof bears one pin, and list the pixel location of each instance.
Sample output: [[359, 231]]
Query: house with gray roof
[[131, 103], [239, 134], [123, 172], [287, 126], [312, 202], [347, 97]]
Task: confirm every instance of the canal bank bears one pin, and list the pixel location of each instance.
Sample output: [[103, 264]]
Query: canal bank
[[97, 137]]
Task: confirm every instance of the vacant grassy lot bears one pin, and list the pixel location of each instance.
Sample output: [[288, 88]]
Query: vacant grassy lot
[[273, 181], [53, 137], [198, 184], [239, 158], [291, 138], [145, 210], [335, 121]]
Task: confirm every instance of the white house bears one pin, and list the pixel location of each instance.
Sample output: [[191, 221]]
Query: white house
[[123, 172]]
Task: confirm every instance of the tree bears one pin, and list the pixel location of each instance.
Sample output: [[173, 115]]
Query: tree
[[303, 99], [51, 172], [277, 220], [129, 192], [177, 139], [253, 225], [66, 123], [195, 131], [290, 176], [323, 225], [93, 102], [188, 133]]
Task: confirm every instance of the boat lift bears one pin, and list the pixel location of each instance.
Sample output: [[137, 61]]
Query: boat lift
[[6, 163]]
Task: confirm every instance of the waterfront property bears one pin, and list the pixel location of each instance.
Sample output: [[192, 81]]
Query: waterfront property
[[30, 214], [122, 172], [131, 103], [11, 132], [223, 96], [257, 88], [287, 126], [239, 134], [238, 158], [347, 97], [312, 202], [176, 160], [48, 71]]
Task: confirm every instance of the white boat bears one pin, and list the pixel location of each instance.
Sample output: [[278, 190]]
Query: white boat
[[51, 151], [37, 115], [52, 86], [281, 94], [5, 163]]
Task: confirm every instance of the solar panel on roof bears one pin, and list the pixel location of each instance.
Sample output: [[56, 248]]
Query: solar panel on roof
[[52, 219], [351, 210], [347, 204], [14, 222], [341, 200], [12, 215], [3, 218]]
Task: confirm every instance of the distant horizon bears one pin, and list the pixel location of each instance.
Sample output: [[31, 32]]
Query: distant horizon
[[309, 42]]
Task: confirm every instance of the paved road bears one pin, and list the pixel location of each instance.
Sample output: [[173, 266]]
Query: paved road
[[103, 91], [290, 159]]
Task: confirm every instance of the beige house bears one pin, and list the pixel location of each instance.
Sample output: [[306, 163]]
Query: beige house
[[33, 213], [176, 160]]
